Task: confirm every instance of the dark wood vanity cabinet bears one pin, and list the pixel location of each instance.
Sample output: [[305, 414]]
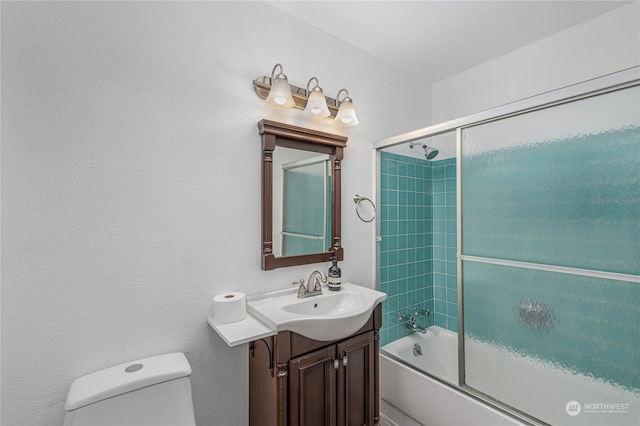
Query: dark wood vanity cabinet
[[315, 383], [333, 385]]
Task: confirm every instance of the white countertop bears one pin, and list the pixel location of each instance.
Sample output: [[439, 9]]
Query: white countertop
[[245, 331]]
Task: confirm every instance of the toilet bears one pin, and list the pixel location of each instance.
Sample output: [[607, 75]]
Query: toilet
[[151, 391]]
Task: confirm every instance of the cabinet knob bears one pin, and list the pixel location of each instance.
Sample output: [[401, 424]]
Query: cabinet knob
[[344, 360], [336, 364]]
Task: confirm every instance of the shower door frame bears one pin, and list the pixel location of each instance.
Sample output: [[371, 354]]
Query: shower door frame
[[597, 86]]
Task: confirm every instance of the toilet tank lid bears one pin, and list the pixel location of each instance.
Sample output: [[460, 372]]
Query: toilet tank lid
[[126, 377]]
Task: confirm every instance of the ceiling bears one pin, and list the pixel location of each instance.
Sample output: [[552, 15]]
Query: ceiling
[[436, 39]]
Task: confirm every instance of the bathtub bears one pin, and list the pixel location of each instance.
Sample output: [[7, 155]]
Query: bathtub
[[429, 401], [439, 349]]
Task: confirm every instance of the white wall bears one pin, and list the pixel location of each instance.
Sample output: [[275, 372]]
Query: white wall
[[131, 184], [600, 46]]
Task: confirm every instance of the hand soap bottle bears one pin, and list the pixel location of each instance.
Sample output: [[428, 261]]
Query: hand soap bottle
[[334, 278]]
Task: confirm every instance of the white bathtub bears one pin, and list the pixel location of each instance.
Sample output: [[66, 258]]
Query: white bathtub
[[423, 398], [431, 402], [439, 352]]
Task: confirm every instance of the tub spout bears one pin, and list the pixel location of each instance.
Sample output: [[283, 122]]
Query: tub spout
[[412, 326]]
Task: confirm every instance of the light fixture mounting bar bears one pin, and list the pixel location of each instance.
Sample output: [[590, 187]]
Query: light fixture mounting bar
[[262, 86]]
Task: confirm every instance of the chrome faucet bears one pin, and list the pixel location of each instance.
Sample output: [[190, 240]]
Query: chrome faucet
[[411, 323], [316, 279], [313, 287], [412, 326]]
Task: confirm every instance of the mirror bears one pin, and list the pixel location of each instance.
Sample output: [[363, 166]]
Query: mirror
[[301, 177], [301, 202]]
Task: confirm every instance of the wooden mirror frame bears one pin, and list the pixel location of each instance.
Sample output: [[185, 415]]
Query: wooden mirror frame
[[275, 134]]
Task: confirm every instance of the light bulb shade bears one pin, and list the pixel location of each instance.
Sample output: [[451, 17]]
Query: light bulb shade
[[317, 105], [280, 93], [347, 113]]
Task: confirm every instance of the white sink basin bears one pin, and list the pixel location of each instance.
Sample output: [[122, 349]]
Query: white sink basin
[[330, 316]]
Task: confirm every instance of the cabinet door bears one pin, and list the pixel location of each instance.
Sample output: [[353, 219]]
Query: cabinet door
[[356, 381], [312, 389]]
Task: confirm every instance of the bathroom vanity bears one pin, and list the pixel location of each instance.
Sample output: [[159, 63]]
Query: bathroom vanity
[[313, 353], [313, 360], [294, 380]]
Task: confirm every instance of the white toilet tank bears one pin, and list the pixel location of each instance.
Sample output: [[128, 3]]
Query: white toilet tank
[[151, 391]]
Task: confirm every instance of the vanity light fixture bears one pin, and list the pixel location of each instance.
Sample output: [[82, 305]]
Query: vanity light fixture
[[277, 91], [280, 93], [346, 112], [316, 104]]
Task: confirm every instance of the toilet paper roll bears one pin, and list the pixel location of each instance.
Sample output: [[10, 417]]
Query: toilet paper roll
[[229, 307]]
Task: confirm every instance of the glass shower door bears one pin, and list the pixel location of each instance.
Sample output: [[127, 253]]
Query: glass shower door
[[550, 216]]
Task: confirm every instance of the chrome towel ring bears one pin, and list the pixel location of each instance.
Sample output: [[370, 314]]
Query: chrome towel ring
[[357, 199]]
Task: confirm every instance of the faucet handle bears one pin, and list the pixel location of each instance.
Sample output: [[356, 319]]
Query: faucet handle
[[317, 285], [301, 288], [417, 312], [401, 316]]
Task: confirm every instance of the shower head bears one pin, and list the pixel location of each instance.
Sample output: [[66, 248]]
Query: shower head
[[429, 153]]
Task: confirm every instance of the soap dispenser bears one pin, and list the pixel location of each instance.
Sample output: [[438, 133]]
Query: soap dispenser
[[334, 277]]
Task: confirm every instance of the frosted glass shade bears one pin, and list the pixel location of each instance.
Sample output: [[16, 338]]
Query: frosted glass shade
[[317, 105], [280, 93], [347, 113]]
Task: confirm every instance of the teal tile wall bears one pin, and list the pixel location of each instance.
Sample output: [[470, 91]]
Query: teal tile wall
[[445, 277], [576, 204], [418, 247], [406, 247]]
